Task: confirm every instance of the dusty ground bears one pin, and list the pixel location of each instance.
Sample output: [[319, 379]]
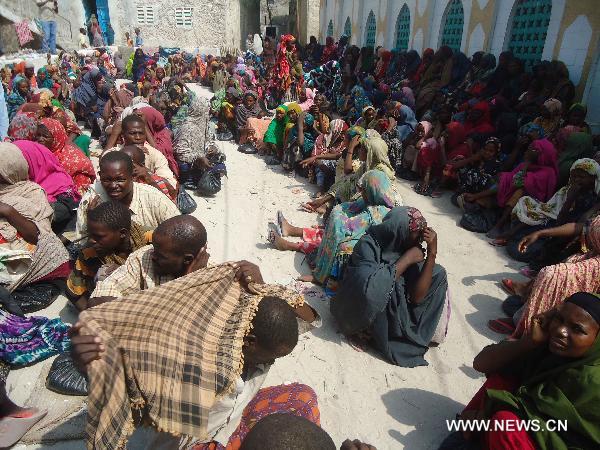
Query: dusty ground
[[360, 395]]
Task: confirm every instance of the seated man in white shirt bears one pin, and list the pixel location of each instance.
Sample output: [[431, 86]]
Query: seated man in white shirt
[[149, 206], [133, 131]]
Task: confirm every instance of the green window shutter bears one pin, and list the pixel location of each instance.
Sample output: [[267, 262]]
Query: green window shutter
[[371, 30], [453, 25], [529, 28], [403, 28]]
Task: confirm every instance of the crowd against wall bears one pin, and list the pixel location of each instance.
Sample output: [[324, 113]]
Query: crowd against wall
[[503, 138]]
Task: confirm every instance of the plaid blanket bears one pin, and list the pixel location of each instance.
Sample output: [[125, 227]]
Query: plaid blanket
[[171, 352]]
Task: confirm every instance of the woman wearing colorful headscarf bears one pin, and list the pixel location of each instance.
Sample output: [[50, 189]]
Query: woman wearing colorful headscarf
[[52, 134], [577, 145], [281, 75], [44, 80], [46, 170], [327, 150], [550, 117], [393, 295], [373, 155], [274, 136], [18, 95]]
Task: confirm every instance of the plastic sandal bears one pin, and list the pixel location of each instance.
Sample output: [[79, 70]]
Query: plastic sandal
[[502, 326], [508, 285], [12, 429]]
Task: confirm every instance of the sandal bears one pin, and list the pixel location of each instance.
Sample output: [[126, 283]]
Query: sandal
[[273, 233], [280, 220], [498, 242], [527, 272], [273, 161], [508, 285], [504, 325]]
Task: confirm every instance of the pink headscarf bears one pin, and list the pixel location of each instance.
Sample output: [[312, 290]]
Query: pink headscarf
[[45, 170], [161, 134], [310, 100], [541, 178]]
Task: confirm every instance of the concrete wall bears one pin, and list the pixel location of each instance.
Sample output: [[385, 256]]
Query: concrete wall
[[573, 33]]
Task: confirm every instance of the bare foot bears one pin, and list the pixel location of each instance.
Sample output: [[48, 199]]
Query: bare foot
[[306, 279], [285, 227]]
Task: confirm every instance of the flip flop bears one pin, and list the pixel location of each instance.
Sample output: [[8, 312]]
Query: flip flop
[[504, 325], [272, 233], [280, 220], [436, 194], [12, 429], [498, 242], [508, 285]]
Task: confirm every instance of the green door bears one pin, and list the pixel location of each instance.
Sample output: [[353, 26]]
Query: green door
[[529, 27], [403, 28], [348, 28], [330, 29], [371, 30], [453, 25]]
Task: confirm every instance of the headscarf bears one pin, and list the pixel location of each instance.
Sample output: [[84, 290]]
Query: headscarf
[[541, 178], [329, 51], [578, 145], [310, 100], [323, 143], [275, 132], [47, 83], [161, 134], [361, 101], [23, 127], [15, 99], [377, 154], [530, 128], [16, 190], [484, 123], [554, 106], [46, 170], [182, 365], [551, 124], [243, 113], [557, 387], [407, 122]]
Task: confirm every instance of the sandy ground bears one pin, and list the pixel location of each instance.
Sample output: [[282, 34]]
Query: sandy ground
[[360, 395]]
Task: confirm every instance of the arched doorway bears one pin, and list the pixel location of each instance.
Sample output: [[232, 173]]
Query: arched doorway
[[348, 28], [402, 29], [370, 30], [453, 25], [330, 29], [528, 30]]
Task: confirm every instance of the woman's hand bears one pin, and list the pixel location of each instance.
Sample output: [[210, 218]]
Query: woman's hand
[[528, 240], [539, 334], [430, 238], [308, 161], [414, 255], [203, 163], [354, 142]]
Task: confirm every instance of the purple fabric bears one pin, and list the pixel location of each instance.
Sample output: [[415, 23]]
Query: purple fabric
[[541, 178], [26, 340], [46, 170]]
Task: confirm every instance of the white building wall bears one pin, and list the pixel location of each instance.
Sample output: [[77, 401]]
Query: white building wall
[[558, 8], [504, 11], [574, 47]]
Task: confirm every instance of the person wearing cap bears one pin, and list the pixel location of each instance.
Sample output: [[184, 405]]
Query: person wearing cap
[[550, 374]]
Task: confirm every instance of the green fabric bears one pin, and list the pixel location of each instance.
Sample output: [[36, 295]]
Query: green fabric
[[578, 145], [58, 104], [559, 388], [129, 67], [83, 141], [276, 131]]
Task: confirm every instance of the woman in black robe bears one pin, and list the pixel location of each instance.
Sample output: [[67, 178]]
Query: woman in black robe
[[393, 290]]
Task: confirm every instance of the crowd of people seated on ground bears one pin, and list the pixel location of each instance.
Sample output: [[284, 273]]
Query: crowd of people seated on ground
[[508, 142]]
